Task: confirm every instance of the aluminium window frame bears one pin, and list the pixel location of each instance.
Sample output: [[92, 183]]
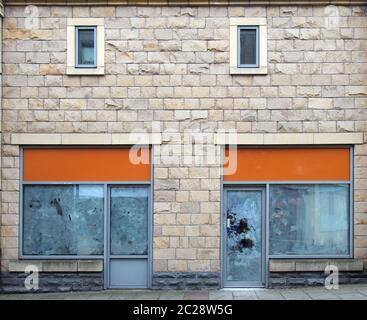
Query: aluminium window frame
[[257, 45], [85, 66], [266, 184], [106, 184]]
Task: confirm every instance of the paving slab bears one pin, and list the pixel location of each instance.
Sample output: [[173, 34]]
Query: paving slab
[[269, 295], [295, 295], [349, 292], [196, 295], [172, 295], [351, 296], [245, 295], [220, 295]]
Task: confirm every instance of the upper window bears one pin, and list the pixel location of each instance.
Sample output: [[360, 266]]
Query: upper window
[[86, 47], [85, 52], [248, 50], [248, 46]]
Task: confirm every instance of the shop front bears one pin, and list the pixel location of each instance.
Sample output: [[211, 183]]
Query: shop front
[[284, 204], [89, 204]]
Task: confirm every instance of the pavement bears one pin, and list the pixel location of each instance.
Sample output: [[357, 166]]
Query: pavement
[[345, 292]]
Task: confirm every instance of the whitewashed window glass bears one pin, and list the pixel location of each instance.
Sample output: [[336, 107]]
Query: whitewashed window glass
[[63, 219]]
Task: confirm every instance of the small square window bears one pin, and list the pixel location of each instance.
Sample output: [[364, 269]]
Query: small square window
[[86, 44], [248, 46]]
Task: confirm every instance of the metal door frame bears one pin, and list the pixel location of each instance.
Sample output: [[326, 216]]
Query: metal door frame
[[264, 229], [107, 238]]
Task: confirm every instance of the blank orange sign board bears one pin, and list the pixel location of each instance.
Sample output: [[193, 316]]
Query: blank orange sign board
[[287, 164], [89, 164]]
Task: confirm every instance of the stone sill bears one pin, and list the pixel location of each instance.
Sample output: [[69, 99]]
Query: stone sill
[[288, 138], [58, 265], [85, 138], [314, 265], [71, 71], [248, 71]]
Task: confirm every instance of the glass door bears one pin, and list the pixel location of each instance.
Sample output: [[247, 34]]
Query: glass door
[[243, 232], [128, 237]]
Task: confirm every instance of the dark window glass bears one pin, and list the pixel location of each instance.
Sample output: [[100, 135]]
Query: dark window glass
[[86, 47], [248, 47]]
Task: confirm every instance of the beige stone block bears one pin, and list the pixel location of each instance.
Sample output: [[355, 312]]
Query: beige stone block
[[173, 230], [8, 230], [194, 45], [282, 266], [73, 104], [90, 266], [208, 254], [20, 266], [160, 265], [183, 219], [199, 195], [320, 103], [209, 230], [161, 242], [234, 139], [165, 219], [338, 138], [60, 266], [177, 265], [198, 265], [288, 138], [182, 196], [198, 173], [320, 265], [192, 231], [164, 253], [86, 138], [28, 138], [186, 254], [51, 69]]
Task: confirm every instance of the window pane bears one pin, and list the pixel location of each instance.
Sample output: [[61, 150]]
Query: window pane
[[248, 46], [63, 220], [244, 247], [86, 47], [309, 219], [129, 221]]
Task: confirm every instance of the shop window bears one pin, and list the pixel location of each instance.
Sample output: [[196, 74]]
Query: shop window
[[63, 219], [248, 47], [85, 46], [309, 220]]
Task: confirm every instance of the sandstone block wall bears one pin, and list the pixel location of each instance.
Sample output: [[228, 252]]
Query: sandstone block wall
[[171, 64]]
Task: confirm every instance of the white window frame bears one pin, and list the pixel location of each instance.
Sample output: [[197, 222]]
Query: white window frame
[[72, 50], [235, 26]]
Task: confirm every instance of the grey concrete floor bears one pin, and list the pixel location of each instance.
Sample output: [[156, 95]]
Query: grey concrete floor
[[345, 292]]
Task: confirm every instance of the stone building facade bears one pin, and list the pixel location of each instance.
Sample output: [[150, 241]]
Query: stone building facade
[[168, 65]]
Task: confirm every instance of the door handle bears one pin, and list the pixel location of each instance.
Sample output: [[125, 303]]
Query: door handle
[[228, 223]]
